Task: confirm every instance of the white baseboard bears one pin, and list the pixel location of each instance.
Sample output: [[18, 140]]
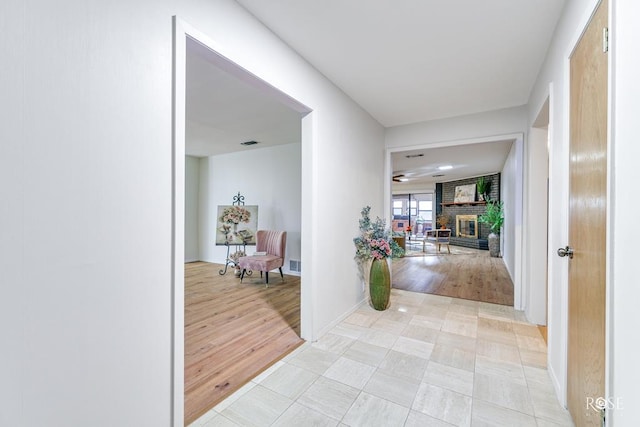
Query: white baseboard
[[292, 273], [556, 386], [339, 319]]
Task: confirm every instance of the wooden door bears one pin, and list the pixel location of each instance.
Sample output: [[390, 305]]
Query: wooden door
[[587, 221]]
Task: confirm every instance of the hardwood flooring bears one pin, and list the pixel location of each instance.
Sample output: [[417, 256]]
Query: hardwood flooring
[[233, 331], [472, 275], [543, 332]]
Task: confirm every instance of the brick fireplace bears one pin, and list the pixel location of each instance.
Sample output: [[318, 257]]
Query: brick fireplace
[[444, 204]]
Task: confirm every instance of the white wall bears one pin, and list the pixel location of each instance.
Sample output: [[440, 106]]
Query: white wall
[[473, 126], [14, 166], [191, 193], [511, 235], [535, 228], [86, 223], [267, 177], [414, 189], [350, 173], [624, 292], [86, 248]]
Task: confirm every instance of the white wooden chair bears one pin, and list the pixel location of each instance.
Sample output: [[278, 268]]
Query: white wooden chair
[[438, 237]]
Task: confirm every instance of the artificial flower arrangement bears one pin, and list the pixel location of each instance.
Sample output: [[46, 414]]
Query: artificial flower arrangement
[[375, 240], [236, 256]]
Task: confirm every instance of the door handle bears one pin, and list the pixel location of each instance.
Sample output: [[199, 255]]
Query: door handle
[[566, 251]]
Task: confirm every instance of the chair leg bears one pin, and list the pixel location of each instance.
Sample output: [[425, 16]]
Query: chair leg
[[448, 248], [244, 270], [281, 275]]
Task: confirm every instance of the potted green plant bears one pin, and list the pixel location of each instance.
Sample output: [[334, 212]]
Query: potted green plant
[[482, 186], [493, 216]]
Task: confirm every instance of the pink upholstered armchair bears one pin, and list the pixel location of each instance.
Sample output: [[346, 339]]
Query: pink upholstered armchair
[[271, 242]]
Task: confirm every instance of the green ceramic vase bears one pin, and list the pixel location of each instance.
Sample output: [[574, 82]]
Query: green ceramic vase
[[379, 284]]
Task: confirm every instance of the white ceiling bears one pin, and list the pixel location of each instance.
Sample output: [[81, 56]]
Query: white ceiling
[[404, 61], [466, 160], [407, 61], [225, 109]]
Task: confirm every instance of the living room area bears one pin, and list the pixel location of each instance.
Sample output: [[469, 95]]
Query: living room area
[[440, 211]]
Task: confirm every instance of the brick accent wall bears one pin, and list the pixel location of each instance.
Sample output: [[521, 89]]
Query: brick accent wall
[[448, 192]]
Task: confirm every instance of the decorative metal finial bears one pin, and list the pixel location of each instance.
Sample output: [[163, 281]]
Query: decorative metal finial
[[238, 200]]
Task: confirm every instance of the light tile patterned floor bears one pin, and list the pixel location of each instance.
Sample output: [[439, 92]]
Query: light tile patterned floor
[[426, 361]]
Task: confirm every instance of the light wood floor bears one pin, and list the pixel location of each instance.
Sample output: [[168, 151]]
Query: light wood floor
[[234, 331], [473, 275]]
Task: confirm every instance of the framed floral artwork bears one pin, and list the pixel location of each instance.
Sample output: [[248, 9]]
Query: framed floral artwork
[[237, 225], [465, 193]]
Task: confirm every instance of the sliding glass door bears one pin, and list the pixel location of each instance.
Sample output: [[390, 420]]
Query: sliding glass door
[[413, 213]]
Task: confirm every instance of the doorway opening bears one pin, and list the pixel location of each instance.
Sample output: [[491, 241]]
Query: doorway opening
[[537, 220], [437, 168], [203, 76]]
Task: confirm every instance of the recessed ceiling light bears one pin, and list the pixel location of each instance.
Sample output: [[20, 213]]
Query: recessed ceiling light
[[411, 156], [249, 143], [403, 179], [445, 167]]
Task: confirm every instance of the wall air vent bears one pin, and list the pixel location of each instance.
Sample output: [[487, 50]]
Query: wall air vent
[[249, 143], [294, 265]]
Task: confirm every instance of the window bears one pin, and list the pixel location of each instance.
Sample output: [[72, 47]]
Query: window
[[415, 211], [425, 210], [397, 208]]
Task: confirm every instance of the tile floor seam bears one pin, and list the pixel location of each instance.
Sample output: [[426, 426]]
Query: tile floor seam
[[504, 407]]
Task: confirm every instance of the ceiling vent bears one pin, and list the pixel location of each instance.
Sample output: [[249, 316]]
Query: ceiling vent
[[437, 175], [411, 156], [249, 143]]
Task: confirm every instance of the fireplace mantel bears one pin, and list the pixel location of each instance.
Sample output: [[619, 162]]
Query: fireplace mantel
[[463, 203]]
